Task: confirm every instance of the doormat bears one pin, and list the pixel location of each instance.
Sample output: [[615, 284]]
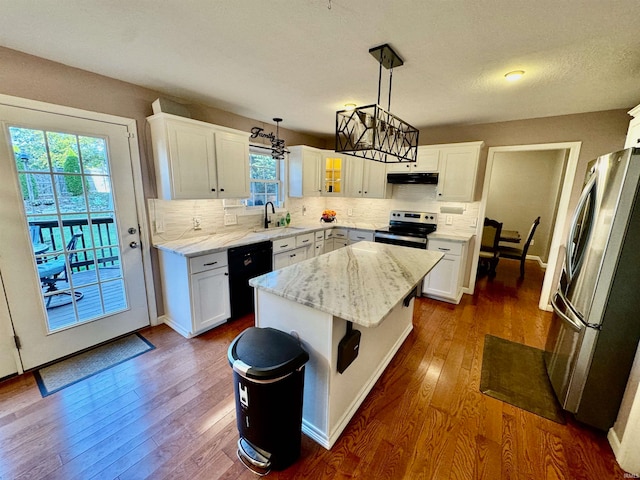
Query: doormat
[[54, 378], [516, 374]]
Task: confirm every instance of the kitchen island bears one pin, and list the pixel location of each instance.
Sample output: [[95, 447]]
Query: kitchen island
[[369, 286]]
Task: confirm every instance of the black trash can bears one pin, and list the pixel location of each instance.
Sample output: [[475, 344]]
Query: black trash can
[[268, 379]]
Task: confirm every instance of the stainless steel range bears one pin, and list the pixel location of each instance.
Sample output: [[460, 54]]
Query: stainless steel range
[[409, 229]]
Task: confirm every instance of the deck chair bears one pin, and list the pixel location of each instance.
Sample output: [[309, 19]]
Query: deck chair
[[55, 270], [489, 246], [34, 233], [516, 253]]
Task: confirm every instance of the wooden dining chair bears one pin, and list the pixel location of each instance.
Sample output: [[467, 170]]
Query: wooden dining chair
[[516, 253], [489, 245]]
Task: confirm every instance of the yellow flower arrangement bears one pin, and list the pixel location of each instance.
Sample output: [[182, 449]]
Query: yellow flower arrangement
[[328, 215]]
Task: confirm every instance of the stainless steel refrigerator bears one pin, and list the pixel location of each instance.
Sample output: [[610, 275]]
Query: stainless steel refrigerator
[[596, 324]]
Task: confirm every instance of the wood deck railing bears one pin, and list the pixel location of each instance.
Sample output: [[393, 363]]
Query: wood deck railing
[[103, 233]]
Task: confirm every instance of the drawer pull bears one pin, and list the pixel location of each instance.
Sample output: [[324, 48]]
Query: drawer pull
[[444, 249], [305, 241], [284, 246], [360, 238], [292, 255], [210, 263]]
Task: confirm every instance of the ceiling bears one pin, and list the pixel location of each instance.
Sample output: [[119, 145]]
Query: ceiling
[[302, 61]]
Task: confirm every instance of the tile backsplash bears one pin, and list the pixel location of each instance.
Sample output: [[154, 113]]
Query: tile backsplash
[[175, 217]]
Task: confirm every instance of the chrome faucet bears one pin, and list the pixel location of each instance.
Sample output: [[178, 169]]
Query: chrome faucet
[[266, 217]]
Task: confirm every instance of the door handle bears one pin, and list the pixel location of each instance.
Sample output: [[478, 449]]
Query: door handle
[[564, 317], [133, 244]]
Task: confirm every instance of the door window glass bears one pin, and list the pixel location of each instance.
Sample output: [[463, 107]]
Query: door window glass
[[68, 201]]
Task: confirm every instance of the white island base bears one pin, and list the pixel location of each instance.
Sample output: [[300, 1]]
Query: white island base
[[331, 398]]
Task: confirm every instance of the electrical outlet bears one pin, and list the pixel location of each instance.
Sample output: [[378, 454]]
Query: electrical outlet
[[532, 242], [304, 210], [230, 219], [449, 220], [197, 223], [160, 224], [350, 212]]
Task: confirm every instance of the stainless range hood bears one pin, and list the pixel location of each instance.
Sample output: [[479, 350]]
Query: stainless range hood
[[413, 178]]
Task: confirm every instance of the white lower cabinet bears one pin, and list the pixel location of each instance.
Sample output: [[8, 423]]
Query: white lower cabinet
[[318, 243], [290, 250], [195, 290], [335, 238], [360, 236], [444, 282]]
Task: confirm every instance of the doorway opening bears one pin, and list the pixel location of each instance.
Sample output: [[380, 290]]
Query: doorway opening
[[567, 153]]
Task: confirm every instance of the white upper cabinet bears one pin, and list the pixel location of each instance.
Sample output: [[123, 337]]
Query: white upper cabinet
[[633, 134], [426, 162], [365, 178], [314, 172], [458, 171], [198, 160], [232, 160], [304, 171]]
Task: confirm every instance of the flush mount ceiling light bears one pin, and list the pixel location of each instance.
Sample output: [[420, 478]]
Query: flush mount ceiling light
[[372, 132], [514, 76]]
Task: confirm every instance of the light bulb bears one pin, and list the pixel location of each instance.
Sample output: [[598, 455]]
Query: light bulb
[[514, 76]]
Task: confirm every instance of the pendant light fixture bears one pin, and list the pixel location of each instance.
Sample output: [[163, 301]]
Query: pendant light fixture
[[277, 144], [372, 132]]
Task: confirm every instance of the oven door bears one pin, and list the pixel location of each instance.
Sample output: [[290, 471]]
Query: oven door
[[402, 240]]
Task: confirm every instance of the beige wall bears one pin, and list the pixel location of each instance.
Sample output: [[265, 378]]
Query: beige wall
[[31, 77], [523, 186], [599, 132], [26, 76]]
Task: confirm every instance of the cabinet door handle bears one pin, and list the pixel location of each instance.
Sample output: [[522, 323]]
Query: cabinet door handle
[[222, 189], [226, 274], [213, 189], [210, 263]]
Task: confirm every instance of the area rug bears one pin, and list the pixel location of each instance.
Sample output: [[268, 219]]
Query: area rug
[[516, 374], [64, 373]]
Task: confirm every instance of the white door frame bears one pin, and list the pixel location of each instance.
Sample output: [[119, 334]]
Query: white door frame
[[558, 236], [136, 173]]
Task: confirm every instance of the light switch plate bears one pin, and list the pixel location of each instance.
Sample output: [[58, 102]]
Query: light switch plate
[[449, 220], [160, 224], [197, 223]]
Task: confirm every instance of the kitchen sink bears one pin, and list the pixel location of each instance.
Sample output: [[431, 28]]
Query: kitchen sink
[[278, 229]]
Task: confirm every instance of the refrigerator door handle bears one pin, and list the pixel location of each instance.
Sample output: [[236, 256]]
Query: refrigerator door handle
[[573, 324], [584, 197]]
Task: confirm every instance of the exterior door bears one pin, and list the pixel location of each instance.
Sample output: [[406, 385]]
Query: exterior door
[[8, 364], [71, 265]]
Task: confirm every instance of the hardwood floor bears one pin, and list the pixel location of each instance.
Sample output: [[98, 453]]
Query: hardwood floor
[[170, 413]]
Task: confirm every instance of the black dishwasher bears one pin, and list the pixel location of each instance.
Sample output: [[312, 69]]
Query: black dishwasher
[[245, 263]]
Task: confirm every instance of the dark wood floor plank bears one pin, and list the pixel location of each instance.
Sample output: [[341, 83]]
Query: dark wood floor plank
[[170, 413]]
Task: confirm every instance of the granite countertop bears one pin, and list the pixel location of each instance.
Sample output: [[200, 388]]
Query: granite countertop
[[454, 237], [360, 283], [204, 244]]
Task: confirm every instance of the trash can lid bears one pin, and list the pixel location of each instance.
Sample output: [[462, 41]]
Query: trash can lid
[[266, 353]]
